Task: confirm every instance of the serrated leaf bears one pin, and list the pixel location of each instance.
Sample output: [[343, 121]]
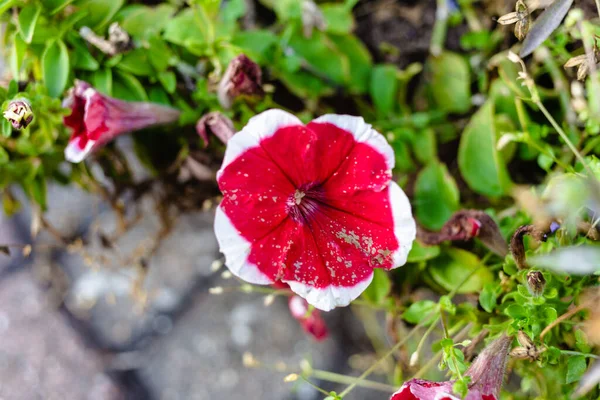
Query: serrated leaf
[[479, 161], [55, 67], [544, 25], [436, 196], [27, 21]]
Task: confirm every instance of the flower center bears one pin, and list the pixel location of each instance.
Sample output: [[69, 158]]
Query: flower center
[[304, 202]]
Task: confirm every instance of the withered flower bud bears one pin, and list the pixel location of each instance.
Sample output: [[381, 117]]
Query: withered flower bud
[[527, 350], [465, 225], [536, 283], [19, 113], [215, 123], [242, 77], [520, 17], [517, 248]]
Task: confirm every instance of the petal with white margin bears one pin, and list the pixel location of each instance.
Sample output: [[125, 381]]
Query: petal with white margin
[[258, 127], [236, 250], [405, 228], [74, 153], [327, 298], [362, 132]]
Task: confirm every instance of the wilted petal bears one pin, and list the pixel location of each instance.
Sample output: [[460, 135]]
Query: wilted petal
[[215, 123]]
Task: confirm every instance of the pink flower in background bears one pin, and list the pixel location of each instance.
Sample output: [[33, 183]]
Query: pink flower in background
[[96, 119], [311, 205], [486, 372], [311, 321]]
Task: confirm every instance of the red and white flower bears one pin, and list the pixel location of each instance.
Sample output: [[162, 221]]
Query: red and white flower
[[311, 320], [96, 119], [311, 205], [486, 373]]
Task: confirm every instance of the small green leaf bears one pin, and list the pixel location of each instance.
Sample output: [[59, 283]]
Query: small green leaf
[[137, 63], [479, 161], [256, 44], [142, 21], [168, 80], [419, 310], [102, 80], [384, 88], [27, 20], [516, 311], [420, 252], [233, 10], [6, 4], [6, 128], [459, 270], [182, 29], [379, 288], [54, 6], [55, 67], [488, 297], [4, 157], [425, 146], [450, 82], [99, 12], [17, 55], [159, 53], [436, 196], [338, 18], [82, 59], [127, 87], [359, 59], [576, 366]]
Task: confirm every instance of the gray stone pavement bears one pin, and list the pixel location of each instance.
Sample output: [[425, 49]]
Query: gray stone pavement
[[141, 333]]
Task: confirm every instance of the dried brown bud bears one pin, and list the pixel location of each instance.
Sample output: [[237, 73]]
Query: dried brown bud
[[242, 77], [524, 22], [527, 350], [215, 123], [19, 113], [465, 225], [536, 283], [517, 248]]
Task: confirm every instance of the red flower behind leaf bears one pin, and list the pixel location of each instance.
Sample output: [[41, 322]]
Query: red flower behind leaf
[[96, 119], [311, 205], [486, 372]]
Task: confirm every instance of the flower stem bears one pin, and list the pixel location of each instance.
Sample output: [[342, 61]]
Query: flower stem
[[438, 37], [344, 379]]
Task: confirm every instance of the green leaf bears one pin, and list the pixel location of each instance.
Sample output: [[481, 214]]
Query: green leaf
[[137, 63], [168, 80], [436, 196], [479, 162], [27, 20], [419, 310], [338, 18], [516, 311], [425, 146], [488, 297], [102, 80], [322, 56], [379, 288], [183, 30], [54, 6], [55, 67], [256, 44], [384, 88], [359, 59], [6, 128], [4, 157], [450, 82], [17, 55], [127, 87], [99, 12], [233, 10], [6, 4], [576, 366], [159, 53], [454, 266], [141, 21], [82, 59], [420, 252]]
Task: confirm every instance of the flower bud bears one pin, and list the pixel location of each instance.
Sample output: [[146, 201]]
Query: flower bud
[[242, 77], [216, 124], [19, 113], [536, 283]]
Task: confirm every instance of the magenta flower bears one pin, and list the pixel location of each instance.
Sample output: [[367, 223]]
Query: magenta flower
[[486, 372], [96, 119], [311, 321], [313, 206]]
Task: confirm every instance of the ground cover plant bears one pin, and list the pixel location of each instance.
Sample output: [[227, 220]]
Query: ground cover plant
[[434, 163]]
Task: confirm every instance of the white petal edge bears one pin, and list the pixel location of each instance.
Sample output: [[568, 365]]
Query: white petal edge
[[362, 132], [328, 298], [259, 127], [75, 154], [236, 250], [405, 227]]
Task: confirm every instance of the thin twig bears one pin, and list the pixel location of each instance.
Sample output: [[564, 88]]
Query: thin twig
[[563, 317]]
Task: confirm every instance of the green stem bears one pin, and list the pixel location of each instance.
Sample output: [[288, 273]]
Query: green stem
[[577, 353], [427, 332], [347, 380], [438, 36]]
